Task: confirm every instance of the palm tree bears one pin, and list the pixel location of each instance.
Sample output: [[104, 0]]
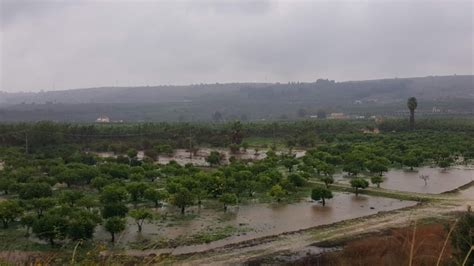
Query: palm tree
[[412, 104]]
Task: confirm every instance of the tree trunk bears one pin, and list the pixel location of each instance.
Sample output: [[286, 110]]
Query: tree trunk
[[5, 224], [357, 191], [182, 210], [324, 202], [51, 241], [139, 227], [113, 237], [225, 207], [412, 119]]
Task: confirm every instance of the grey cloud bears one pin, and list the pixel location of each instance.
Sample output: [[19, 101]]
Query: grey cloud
[[61, 45]]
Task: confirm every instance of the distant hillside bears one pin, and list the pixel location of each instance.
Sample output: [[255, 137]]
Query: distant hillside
[[436, 94]]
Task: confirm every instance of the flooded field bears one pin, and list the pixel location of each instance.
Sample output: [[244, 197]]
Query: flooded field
[[260, 220], [439, 180], [183, 156]]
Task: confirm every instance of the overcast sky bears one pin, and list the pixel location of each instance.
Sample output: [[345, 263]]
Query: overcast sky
[[49, 45]]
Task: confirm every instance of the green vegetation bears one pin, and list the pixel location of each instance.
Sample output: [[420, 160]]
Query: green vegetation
[[463, 239], [58, 190], [359, 183], [321, 193]]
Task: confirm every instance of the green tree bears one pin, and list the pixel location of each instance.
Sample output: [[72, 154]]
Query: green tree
[[228, 199], [411, 161], [321, 193], [182, 198], [154, 195], [445, 163], [352, 168], [140, 215], [113, 193], [34, 190], [327, 180], [296, 180], [289, 162], [82, 224], [89, 202], [27, 221], [114, 225], [40, 205], [50, 227], [132, 153], [378, 165], [376, 180], [9, 211], [118, 209], [234, 148], [412, 103], [70, 177], [359, 183], [136, 190], [214, 158], [70, 197], [277, 192], [6, 184], [237, 135], [99, 182]]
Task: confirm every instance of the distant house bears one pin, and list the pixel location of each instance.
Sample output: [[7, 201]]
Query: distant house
[[337, 116], [103, 119], [371, 131]]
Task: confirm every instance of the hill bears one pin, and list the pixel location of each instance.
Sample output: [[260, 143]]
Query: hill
[[437, 95]]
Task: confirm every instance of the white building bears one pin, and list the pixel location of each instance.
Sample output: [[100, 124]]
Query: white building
[[103, 119]]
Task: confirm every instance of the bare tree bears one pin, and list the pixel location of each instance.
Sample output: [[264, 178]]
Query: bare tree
[[425, 178]]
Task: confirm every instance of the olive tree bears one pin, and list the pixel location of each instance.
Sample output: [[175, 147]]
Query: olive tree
[[277, 192], [321, 193], [359, 183], [228, 199], [9, 211], [140, 215], [114, 225], [376, 180], [182, 198]]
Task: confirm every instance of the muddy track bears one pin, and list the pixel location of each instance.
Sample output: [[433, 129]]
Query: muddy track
[[436, 206]]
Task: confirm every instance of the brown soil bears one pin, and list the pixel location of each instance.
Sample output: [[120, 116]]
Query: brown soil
[[392, 248]]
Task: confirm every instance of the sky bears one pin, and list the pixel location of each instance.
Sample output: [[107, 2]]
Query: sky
[[53, 45]]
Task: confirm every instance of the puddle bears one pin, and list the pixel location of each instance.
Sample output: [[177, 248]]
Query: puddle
[[439, 180]]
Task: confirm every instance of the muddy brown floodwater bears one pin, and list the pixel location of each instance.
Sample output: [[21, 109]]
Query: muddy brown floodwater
[[263, 220], [439, 180], [182, 156]]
